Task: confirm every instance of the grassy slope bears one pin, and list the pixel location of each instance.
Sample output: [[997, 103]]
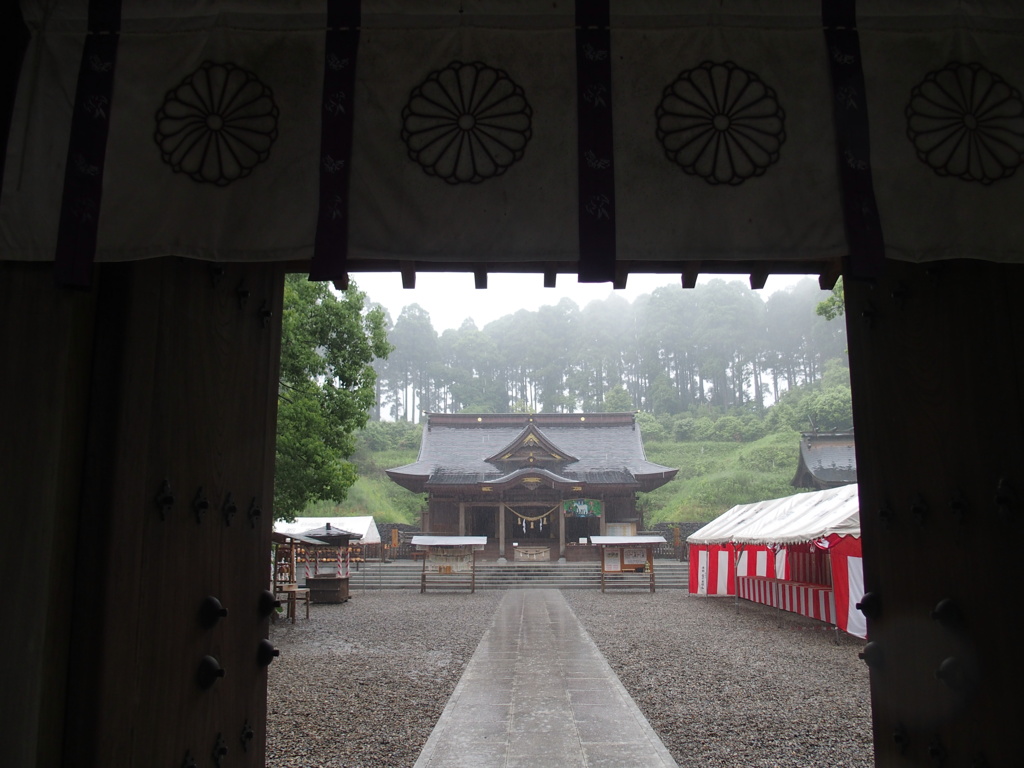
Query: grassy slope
[[716, 476], [374, 493]]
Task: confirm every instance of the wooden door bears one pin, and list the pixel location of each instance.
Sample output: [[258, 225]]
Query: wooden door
[[46, 341], [176, 518], [936, 357]]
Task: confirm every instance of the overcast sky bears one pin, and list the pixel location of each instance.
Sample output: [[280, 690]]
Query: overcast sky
[[450, 298]]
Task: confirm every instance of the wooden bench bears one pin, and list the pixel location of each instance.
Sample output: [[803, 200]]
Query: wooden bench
[[417, 554], [461, 580]]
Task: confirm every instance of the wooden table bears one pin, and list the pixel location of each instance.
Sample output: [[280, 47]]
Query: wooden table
[[293, 593]]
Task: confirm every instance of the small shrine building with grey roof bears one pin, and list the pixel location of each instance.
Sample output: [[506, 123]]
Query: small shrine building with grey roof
[[533, 484], [827, 460]]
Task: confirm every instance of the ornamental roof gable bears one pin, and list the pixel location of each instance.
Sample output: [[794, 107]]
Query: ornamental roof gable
[[531, 448]]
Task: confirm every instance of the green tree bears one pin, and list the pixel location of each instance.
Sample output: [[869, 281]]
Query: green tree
[[390, 435], [554, 351], [824, 405], [669, 348], [730, 334], [836, 373], [521, 406], [597, 369], [618, 401], [326, 392], [469, 375], [830, 408], [663, 397], [650, 428], [409, 370], [835, 305]]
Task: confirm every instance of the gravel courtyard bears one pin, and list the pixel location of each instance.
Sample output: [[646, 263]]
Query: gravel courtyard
[[361, 685]]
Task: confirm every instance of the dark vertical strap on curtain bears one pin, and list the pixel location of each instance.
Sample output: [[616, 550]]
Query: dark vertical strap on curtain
[[87, 147], [594, 140], [330, 250], [853, 146], [13, 42]]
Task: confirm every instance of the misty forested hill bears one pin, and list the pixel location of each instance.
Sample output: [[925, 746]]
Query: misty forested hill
[[723, 382], [720, 345]]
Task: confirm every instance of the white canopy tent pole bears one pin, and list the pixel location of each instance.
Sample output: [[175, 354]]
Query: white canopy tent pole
[[738, 550]]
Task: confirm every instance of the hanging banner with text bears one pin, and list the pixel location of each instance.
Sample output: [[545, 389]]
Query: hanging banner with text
[[612, 560]]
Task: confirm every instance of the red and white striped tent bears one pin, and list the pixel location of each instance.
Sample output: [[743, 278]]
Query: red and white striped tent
[[800, 553]]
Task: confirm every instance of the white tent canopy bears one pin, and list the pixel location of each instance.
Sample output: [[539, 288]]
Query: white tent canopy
[[722, 528], [789, 520], [365, 526], [754, 551]]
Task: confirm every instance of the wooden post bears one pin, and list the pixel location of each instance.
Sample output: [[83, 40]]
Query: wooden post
[[561, 532], [462, 518], [501, 530], [423, 571]]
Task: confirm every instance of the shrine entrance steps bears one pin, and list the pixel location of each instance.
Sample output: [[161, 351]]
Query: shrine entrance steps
[[405, 574], [537, 691]]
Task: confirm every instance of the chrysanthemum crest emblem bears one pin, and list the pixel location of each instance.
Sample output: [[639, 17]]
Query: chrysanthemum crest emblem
[[217, 124], [466, 123], [721, 122], [966, 121]]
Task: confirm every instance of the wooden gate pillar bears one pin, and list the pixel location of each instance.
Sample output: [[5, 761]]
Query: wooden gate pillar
[[937, 368], [153, 495], [46, 341]]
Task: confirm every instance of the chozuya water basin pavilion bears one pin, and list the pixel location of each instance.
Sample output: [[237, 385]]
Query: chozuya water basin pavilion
[[536, 485]]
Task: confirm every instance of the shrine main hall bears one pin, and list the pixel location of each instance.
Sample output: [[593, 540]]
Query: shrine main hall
[[538, 485]]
